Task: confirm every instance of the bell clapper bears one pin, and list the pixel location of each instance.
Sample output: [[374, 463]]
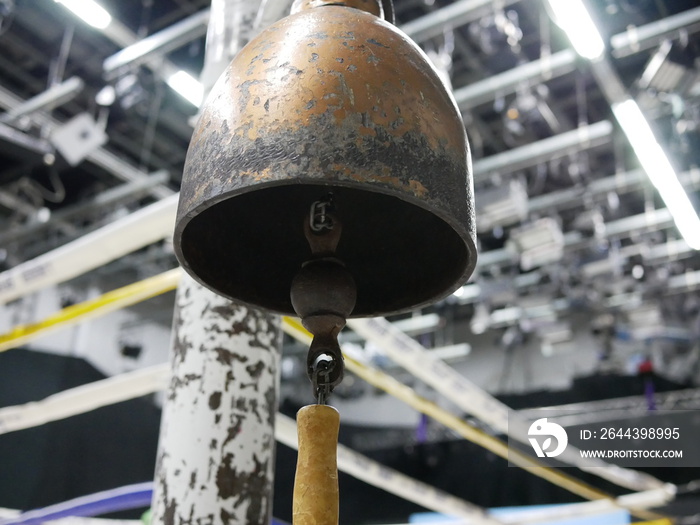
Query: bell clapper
[[323, 295]]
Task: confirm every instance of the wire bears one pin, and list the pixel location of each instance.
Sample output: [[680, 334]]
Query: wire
[[151, 126], [123, 498], [56, 195]]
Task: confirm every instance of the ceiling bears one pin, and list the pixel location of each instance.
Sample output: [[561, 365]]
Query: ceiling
[[567, 221]]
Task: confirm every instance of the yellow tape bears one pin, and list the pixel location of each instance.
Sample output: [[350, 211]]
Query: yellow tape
[[106, 303], [385, 382]]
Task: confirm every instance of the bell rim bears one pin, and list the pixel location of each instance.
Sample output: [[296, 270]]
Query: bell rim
[[464, 233]]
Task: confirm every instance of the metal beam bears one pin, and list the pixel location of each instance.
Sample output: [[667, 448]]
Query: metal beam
[[159, 43], [618, 408], [619, 183], [454, 15], [486, 90], [28, 145], [609, 81], [564, 62], [637, 39], [49, 99], [100, 157], [119, 194], [585, 137], [654, 220], [685, 281], [125, 37]]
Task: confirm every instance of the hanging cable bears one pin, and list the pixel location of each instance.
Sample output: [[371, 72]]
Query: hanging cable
[[151, 126]]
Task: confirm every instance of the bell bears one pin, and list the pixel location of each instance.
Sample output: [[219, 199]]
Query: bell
[[330, 109]]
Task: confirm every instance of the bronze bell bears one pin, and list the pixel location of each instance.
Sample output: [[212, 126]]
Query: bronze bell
[[335, 106]]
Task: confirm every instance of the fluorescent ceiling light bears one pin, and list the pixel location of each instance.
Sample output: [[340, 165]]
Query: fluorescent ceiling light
[[572, 16], [90, 11], [659, 170], [189, 87]]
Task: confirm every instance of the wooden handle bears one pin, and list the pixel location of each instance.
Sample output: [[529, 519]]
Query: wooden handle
[[316, 482]]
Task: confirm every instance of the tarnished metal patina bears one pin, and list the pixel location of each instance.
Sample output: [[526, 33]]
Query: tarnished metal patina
[[330, 99]]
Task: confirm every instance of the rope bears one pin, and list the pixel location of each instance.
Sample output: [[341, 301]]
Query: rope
[[106, 303], [379, 379], [400, 347], [126, 386], [84, 398], [411, 355]]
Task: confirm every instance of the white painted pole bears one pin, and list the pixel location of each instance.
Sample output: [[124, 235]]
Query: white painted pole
[[216, 455], [217, 444]]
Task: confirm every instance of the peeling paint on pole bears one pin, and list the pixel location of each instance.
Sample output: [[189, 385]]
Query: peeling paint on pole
[[217, 446]]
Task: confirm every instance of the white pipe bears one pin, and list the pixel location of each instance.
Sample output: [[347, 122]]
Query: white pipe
[[146, 226], [637, 39], [49, 99], [158, 44], [584, 137]]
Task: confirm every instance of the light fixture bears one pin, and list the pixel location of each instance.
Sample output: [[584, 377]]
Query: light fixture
[[659, 170], [187, 86], [538, 243], [106, 96], [89, 11], [501, 205], [573, 17], [646, 321], [670, 69]]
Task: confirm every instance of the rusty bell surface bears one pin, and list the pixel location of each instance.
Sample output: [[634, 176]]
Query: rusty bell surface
[[330, 99]]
